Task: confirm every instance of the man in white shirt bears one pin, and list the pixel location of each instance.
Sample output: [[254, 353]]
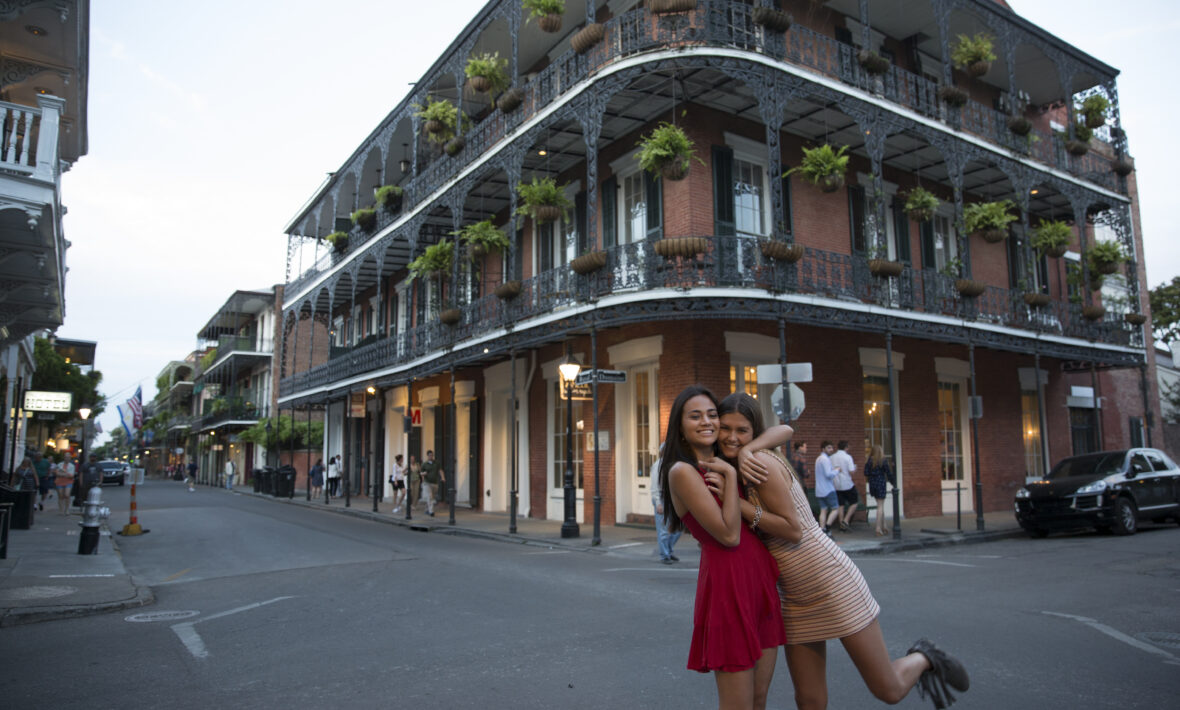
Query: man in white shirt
[[665, 540], [845, 487], [229, 474], [825, 489]]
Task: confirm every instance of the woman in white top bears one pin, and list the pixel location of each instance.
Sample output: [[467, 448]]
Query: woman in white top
[[397, 479]]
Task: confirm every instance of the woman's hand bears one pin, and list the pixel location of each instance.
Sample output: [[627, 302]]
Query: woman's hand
[[715, 482], [754, 472]]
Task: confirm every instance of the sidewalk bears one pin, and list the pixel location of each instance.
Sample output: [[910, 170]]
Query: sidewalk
[[44, 578]]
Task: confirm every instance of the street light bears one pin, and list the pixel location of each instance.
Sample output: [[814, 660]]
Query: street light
[[84, 413], [569, 372]]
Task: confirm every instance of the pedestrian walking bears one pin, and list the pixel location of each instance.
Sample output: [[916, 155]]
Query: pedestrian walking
[[397, 481], [414, 491], [432, 476], [45, 477], [737, 625], [877, 473], [191, 478], [230, 472], [89, 477], [824, 596], [665, 540], [63, 481], [334, 476], [845, 486], [317, 479], [825, 490]]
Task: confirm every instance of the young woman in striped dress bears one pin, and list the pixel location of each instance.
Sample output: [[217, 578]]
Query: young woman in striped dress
[[824, 596]]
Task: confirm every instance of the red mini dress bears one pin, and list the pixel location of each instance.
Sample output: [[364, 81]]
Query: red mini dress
[[737, 611]]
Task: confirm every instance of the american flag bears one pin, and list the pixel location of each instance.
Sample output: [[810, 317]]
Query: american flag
[[135, 404]]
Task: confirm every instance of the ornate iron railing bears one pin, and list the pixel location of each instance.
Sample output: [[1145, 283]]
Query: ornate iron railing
[[733, 263]]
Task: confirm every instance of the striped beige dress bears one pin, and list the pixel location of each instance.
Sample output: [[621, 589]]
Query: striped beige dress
[[824, 596]]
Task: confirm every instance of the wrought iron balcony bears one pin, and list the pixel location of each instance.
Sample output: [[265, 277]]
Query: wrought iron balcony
[[732, 269]]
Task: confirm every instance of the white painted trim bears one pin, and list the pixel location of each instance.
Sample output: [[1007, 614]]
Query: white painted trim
[[751, 347], [637, 351], [1028, 379], [875, 358], [952, 367]]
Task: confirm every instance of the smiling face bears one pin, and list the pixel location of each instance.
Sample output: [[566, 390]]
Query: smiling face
[[735, 432], [699, 422]]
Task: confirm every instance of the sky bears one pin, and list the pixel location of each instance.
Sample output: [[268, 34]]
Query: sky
[[211, 124]]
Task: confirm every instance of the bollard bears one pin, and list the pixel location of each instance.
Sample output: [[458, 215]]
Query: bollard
[[93, 513]]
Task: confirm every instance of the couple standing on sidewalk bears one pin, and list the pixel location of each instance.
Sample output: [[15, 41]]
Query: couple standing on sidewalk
[[429, 474]]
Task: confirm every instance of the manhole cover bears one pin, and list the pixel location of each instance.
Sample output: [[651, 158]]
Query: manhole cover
[[36, 592], [162, 616], [1160, 638]]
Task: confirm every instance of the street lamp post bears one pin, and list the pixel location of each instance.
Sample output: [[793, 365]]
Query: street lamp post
[[569, 371], [84, 413]]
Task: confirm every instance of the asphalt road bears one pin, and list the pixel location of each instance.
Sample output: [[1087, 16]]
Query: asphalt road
[[264, 605]]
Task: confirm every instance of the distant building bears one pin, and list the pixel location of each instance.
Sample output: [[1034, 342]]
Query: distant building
[[677, 277]]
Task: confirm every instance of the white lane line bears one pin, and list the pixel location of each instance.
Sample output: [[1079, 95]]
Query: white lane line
[[924, 562], [627, 544], [548, 552], [1115, 634], [192, 640], [77, 576]]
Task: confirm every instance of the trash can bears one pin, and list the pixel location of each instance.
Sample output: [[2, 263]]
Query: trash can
[[22, 506], [285, 482], [265, 477], [5, 517]]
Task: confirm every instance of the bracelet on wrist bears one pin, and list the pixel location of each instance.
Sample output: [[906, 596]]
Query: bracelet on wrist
[[757, 517]]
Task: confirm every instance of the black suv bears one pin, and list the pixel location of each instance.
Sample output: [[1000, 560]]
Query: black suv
[[113, 472], [1108, 490]]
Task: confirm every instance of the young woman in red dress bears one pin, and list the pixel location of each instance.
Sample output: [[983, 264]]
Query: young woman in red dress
[[737, 626]]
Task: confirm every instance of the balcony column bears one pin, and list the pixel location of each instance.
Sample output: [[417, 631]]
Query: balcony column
[[1124, 229], [590, 117], [52, 108], [866, 30], [311, 339], [942, 17], [380, 315], [513, 166], [874, 132], [1079, 217], [1118, 137], [975, 442], [455, 204], [772, 98], [410, 195]]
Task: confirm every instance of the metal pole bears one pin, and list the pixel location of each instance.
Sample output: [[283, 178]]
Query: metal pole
[[782, 358], [597, 539], [377, 472], [1097, 404], [569, 526], [452, 451], [1042, 417], [975, 446], [512, 476], [1148, 415], [327, 482], [895, 433], [347, 458]]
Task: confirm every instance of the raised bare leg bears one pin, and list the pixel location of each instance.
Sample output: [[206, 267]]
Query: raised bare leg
[[888, 680]]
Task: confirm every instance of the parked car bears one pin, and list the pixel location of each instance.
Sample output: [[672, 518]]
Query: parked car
[[1108, 490], [113, 472]]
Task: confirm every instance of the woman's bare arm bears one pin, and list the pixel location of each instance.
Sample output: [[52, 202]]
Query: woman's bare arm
[[690, 494]]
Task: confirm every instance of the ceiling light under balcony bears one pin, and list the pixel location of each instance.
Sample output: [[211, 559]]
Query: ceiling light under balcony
[[36, 31]]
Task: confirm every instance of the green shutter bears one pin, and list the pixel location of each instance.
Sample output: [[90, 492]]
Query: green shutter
[[901, 231], [724, 222], [610, 194], [787, 226], [653, 191], [856, 218], [926, 235]]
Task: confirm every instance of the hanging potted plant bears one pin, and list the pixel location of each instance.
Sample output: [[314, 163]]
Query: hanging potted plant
[[585, 39], [454, 145], [920, 204], [389, 197], [338, 240], [1093, 109], [365, 218], [687, 247], [823, 167], [487, 72], [588, 262], [989, 220], [1079, 145], [1104, 257], [1036, 299], [663, 7], [510, 100], [435, 262], [773, 19], [1019, 125], [547, 13], [881, 265], [543, 200], [872, 62], [666, 151], [1123, 166], [953, 96], [1093, 312], [439, 118], [482, 238], [1052, 238], [974, 55], [967, 288], [779, 250], [508, 290], [1135, 318]]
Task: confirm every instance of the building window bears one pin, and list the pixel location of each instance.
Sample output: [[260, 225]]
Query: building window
[[559, 425], [634, 212], [1136, 430], [749, 203], [744, 378], [950, 432], [1030, 420], [1082, 430], [878, 417], [644, 436]]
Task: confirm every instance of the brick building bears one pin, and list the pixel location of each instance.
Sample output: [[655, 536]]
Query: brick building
[[703, 277]]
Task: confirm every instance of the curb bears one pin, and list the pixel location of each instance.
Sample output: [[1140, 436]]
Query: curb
[[944, 540], [16, 617]]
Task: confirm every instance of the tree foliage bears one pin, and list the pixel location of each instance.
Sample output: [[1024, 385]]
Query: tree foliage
[[1165, 310], [54, 374], [285, 433]]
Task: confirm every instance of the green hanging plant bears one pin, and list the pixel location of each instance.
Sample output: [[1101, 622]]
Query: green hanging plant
[[1093, 109], [974, 55], [365, 218], [389, 197], [434, 262], [667, 151], [439, 119], [482, 238], [546, 12], [1104, 257], [920, 204], [487, 72], [1052, 237], [823, 167], [989, 219], [338, 240], [543, 200]]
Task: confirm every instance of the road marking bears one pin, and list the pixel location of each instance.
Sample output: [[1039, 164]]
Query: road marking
[[188, 635], [626, 544], [668, 568], [161, 616], [77, 576], [549, 552], [181, 573], [1116, 635], [925, 562]]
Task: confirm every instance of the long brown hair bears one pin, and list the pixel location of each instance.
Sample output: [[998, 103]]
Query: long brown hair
[[876, 457], [677, 449], [745, 405]]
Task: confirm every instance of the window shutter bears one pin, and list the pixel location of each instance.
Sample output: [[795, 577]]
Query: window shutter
[[901, 231], [856, 218], [579, 224], [787, 226], [518, 257], [610, 194], [1014, 269], [1043, 273], [652, 189], [724, 221], [926, 234], [420, 301]]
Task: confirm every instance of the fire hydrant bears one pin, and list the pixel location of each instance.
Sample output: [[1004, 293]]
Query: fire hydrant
[[93, 515]]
